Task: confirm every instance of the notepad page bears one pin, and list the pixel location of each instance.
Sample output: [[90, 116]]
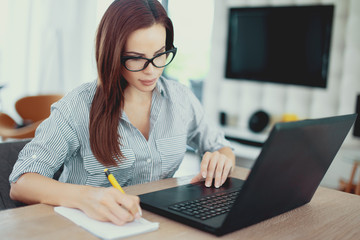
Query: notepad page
[[107, 230]]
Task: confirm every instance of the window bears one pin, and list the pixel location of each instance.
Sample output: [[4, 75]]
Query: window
[[193, 22]]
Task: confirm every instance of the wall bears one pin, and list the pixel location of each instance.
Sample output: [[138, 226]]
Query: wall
[[242, 98], [46, 47]]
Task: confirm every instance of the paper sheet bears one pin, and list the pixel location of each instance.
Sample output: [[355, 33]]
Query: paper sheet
[[106, 230]]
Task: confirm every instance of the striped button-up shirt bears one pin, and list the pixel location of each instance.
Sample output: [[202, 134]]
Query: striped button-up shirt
[[177, 119]]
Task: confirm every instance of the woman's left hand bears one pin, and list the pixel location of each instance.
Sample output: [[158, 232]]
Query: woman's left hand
[[216, 165]]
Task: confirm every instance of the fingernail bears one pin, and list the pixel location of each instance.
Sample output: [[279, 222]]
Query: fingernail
[[217, 185], [203, 174], [140, 212], [207, 184]]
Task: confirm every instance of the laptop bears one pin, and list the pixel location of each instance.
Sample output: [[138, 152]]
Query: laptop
[[286, 174]]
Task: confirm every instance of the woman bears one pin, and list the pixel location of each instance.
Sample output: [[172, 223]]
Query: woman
[[131, 120]]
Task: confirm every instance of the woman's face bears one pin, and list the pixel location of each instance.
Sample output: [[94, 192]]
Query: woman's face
[[145, 42]]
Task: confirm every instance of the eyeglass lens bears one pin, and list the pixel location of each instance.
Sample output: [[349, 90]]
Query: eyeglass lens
[[160, 61]]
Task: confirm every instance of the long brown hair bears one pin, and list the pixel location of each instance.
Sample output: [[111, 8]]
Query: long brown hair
[[121, 19]]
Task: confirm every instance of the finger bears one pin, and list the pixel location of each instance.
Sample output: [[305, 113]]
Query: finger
[[204, 164], [130, 203], [219, 171], [211, 168], [122, 214], [197, 178], [104, 214], [227, 169], [114, 202]]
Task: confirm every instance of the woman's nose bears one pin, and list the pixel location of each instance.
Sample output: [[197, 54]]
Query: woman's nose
[[149, 68]]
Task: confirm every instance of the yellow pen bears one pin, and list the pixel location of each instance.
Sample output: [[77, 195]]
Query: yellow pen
[[112, 180], [115, 184]]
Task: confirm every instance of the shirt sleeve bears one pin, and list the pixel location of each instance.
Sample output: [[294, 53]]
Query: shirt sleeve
[[203, 135], [55, 140]]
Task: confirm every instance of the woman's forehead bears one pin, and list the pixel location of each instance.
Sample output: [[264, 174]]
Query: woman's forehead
[[146, 40]]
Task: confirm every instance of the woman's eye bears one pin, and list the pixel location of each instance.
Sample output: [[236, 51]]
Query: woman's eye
[[135, 59]]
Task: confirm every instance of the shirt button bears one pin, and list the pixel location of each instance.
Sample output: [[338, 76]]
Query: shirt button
[[33, 156], [149, 160]]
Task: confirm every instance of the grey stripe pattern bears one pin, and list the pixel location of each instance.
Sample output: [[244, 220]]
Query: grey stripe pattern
[[177, 119]]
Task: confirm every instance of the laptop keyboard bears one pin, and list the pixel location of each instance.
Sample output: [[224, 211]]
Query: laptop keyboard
[[207, 207]]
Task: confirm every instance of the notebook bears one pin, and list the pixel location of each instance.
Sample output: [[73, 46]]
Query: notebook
[[107, 230], [286, 174]]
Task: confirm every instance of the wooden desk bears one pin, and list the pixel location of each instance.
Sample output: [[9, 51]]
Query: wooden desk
[[330, 215]]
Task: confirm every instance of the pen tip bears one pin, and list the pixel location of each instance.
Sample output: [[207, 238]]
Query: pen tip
[[105, 170]]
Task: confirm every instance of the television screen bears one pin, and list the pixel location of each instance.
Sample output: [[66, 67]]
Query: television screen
[[288, 45]]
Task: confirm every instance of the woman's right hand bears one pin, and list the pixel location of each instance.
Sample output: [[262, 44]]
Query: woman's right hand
[[104, 204], [110, 205]]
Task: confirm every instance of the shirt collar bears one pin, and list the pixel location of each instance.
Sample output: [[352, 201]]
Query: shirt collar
[[159, 89]]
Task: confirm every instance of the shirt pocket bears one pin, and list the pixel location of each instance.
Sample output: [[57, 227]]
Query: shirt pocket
[[123, 172], [172, 152]]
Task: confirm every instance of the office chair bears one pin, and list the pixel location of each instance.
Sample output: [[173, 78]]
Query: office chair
[[9, 152], [33, 110]]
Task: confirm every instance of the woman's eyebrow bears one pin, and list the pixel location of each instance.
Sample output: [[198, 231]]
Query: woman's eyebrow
[[159, 51], [134, 53], [142, 54]]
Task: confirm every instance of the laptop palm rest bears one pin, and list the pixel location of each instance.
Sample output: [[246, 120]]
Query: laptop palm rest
[[187, 192]]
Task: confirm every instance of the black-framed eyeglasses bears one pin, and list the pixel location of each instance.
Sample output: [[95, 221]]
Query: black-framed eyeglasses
[[136, 64]]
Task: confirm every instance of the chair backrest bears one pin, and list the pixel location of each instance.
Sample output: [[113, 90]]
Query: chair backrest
[[6, 121], [35, 108], [9, 152]]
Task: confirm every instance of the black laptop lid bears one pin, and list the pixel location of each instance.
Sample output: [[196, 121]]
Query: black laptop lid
[[289, 169]]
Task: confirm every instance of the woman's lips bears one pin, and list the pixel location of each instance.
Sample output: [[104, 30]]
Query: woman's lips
[[148, 82]]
